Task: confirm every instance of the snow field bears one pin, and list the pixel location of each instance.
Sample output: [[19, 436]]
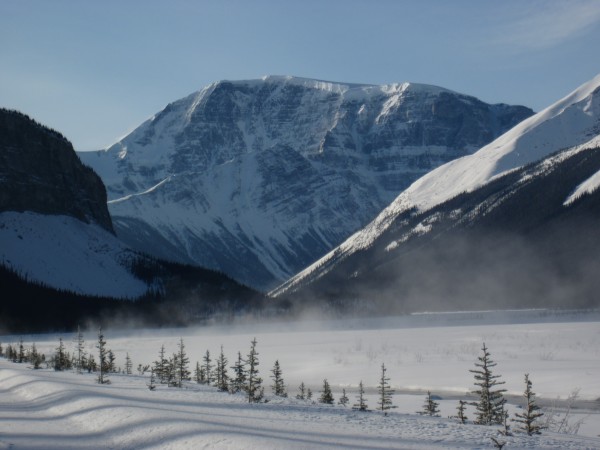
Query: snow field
[[435, 355], [66, 253]]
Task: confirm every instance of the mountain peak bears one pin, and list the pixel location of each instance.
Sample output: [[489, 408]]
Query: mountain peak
[[260, 177]]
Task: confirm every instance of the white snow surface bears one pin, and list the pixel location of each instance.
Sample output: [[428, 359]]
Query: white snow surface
[[62, 410], [66, 253], [571, 122], [589, 185]]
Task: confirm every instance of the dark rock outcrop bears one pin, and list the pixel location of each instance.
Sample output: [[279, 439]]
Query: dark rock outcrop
[[40, 172]]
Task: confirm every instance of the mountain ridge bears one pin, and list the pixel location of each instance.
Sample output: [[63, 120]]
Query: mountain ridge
[[258, 178], [418, 200]]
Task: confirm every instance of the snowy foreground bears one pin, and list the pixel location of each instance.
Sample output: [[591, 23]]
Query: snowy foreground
[[59, 410]]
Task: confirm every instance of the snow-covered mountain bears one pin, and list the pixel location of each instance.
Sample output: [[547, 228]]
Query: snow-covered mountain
[[55, 228], [463, 195], [60, 261], [259, 178]]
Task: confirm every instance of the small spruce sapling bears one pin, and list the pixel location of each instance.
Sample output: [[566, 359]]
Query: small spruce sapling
[[160, 366], [343, 399], [199, 376], [60, 357], [79, 350], [103, 358], [528, 420], [182, 361], [301, 392], [238, 383], [384, 401], [326, 395], [460, 412], [208, 368], [430, 407], [128, 365], [278, 384], [152, 382], [490, 407], [221, 375], [21, 357], [253, 380], [361, 404]]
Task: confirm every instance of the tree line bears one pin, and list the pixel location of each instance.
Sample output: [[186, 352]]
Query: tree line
[[174, 371]]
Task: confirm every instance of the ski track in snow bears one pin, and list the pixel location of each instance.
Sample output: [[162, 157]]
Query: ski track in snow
[[62, 410]]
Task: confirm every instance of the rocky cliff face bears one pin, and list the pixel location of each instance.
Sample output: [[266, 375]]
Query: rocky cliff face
[[259, 178], [40, 172]]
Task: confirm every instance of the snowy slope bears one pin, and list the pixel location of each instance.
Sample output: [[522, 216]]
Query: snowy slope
[[71, 411], [66, 253], [572, 121], [257, 178]]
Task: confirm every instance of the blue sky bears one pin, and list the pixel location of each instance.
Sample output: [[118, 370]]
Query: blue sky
[[96, 70]]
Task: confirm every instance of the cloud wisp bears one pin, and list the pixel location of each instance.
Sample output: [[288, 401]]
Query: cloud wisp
[[544, 24]]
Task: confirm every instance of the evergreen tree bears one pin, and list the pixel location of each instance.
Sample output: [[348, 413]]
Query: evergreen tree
[[239, 381], [253, 380], [1, 350], [506, 427], [361, 404], [528, 419], [308, 394], [430, 407], [301, 392], [21, 357], [160, 366], [278, 384], [111, 368], [343, 399], [152, 382], [385, 391], [10, 354], [182, 372], [326, 395], [102, 358], [91, 364], [79, 350], [199, 374], [208, 368], [60, 357], [221, 376], [128, 364], [171, 371], [491, 401], [460, 411], [34, 357]]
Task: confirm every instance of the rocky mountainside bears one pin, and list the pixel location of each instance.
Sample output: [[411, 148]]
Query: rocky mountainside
[[259, 178], [60, 261], [40, 172], [514, 224], [55, 228]]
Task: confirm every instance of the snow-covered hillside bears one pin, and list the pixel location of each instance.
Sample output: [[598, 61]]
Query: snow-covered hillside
[[258, 178], [46, 409], [65, 253], [573, 121]]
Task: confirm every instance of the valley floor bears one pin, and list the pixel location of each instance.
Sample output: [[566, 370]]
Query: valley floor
[[44, 409]]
